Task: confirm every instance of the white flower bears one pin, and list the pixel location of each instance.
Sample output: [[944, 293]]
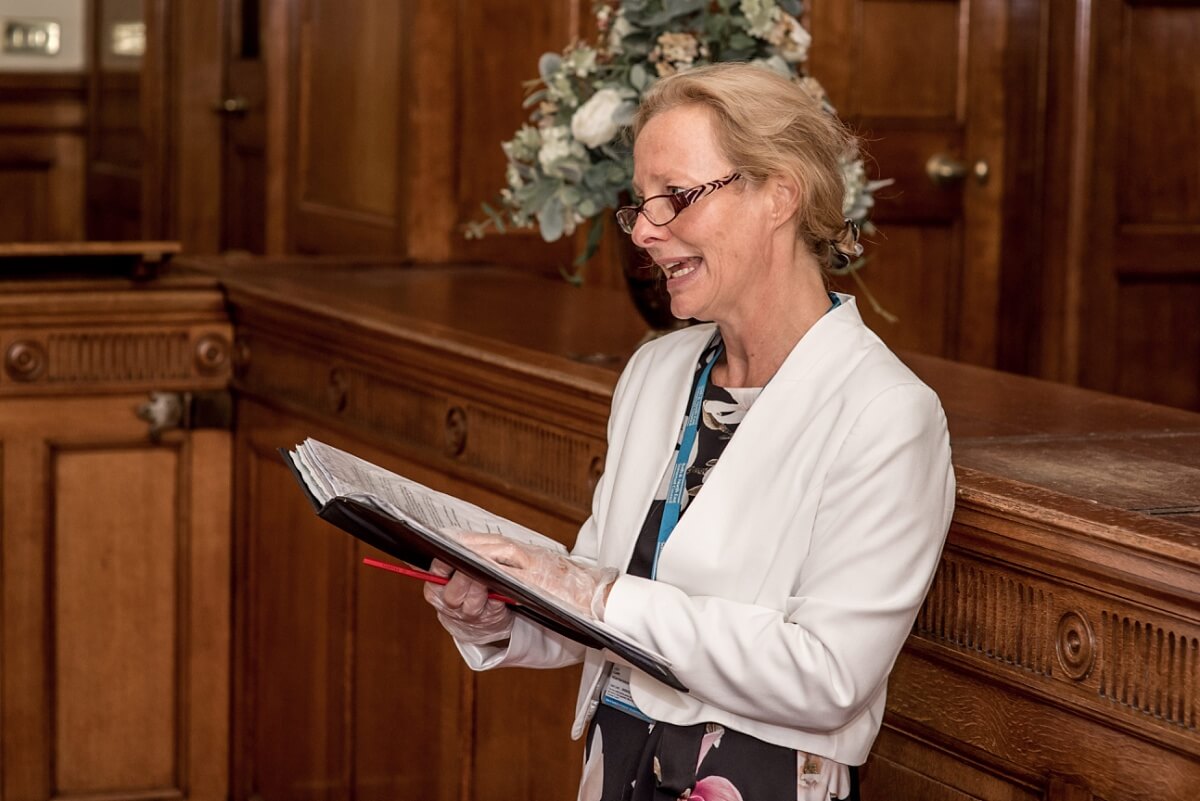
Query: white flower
[[760, 14], [790, 38], [556, 145], [559, 151], [524, 144], [598, 120], [679, 48], [513, 175], [581, 61], [621, 28]]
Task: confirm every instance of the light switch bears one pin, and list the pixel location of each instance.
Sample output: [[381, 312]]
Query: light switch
[[31, 37]]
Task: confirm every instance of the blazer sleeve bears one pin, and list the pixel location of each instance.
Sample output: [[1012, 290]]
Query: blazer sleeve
[[531, 645], [883, 514]]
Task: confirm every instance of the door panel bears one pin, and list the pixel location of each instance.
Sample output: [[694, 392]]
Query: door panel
[[115, 617], [919, 79], [1139, 265], [115, 626], [297, 605], [244, 227]]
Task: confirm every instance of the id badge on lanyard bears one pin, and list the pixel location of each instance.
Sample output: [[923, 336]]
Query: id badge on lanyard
[[678, 485], [616, 691]]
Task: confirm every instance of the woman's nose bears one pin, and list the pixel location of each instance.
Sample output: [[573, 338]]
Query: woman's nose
[[646, 233]]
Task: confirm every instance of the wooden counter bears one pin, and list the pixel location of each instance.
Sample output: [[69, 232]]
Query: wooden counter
[[114, 540], [1058, 654]]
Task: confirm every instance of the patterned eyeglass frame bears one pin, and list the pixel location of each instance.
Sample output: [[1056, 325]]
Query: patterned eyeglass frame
[[627, 215]]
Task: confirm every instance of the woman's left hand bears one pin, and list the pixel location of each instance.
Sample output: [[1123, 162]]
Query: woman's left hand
[[580, 586]]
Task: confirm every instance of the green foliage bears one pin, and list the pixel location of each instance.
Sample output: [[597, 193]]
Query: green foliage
[[570, 164]]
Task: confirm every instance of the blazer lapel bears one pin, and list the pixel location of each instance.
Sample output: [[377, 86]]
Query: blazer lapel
[[764, 438], [654, 401]]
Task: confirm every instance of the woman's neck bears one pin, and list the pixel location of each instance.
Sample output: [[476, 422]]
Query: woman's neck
[[758, 342]]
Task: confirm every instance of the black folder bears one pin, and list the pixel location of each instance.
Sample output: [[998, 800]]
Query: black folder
[[412, 545]]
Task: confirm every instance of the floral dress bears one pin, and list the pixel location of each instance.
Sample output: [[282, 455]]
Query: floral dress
[[630, 757]]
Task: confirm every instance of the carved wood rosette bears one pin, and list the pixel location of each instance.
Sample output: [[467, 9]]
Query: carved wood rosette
[[132, 358], [107, 341], [468, 423], [1029, 659]]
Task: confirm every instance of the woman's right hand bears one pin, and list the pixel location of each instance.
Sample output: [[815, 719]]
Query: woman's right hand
[[464, 609]]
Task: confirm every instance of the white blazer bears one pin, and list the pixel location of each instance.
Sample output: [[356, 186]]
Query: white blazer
[[793, 578]]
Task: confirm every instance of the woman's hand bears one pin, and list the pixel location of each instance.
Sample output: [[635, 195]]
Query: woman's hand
[[579, 586], [464, 609]]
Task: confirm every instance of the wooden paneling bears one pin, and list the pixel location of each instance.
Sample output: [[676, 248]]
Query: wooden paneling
[[386, 120], [117, 141], [115, 619], [1121, 305], [186, 101], [244, 105], [114, 545], [295, 713], [348, 134], [490, 96], [347, 685], [909, 60], [918, 79], [41, 158], [1159, 98], [1158, 349]]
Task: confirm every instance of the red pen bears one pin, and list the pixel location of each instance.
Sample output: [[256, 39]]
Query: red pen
[[433, 578]]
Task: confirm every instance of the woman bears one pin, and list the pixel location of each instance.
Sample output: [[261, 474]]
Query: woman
[[815, 476]]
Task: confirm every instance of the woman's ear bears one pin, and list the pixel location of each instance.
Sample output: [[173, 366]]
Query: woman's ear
[[785, 199]]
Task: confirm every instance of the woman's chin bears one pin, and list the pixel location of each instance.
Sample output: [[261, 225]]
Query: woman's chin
[[686, 308]]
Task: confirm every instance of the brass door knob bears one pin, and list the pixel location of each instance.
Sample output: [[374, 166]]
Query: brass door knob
[[944, 170], [233, 106]]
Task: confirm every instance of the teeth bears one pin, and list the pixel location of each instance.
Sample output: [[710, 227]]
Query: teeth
[[673, 269]]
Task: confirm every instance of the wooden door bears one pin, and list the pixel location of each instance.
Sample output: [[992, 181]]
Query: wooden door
[[114, 630], [924, 84], [244, 110], [1122, 268]]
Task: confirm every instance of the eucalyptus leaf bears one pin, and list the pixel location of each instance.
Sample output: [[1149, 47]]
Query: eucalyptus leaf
[[673, 9], [793, 7], [548, 65], [532, 197], [550, 220], [569, 196], [534, 98], [638, 76], [495, 217], [593, 242], [740, 41]]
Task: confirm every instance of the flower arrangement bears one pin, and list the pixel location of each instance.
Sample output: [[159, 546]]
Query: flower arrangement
[[568, 165]]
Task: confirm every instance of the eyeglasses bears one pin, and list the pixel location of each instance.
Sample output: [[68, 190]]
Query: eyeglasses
[[661, 209]]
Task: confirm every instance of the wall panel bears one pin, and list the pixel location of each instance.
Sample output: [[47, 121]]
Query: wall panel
[[348, 134], [115, 621], [41, 157], [1137, 263]]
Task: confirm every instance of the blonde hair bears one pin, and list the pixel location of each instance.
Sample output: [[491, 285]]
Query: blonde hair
[[768, 125]]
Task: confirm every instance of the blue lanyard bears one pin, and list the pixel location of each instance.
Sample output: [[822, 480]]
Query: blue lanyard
[[675, 490]]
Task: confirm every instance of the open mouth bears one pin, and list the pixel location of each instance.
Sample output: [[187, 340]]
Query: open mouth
[[680, 267]]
